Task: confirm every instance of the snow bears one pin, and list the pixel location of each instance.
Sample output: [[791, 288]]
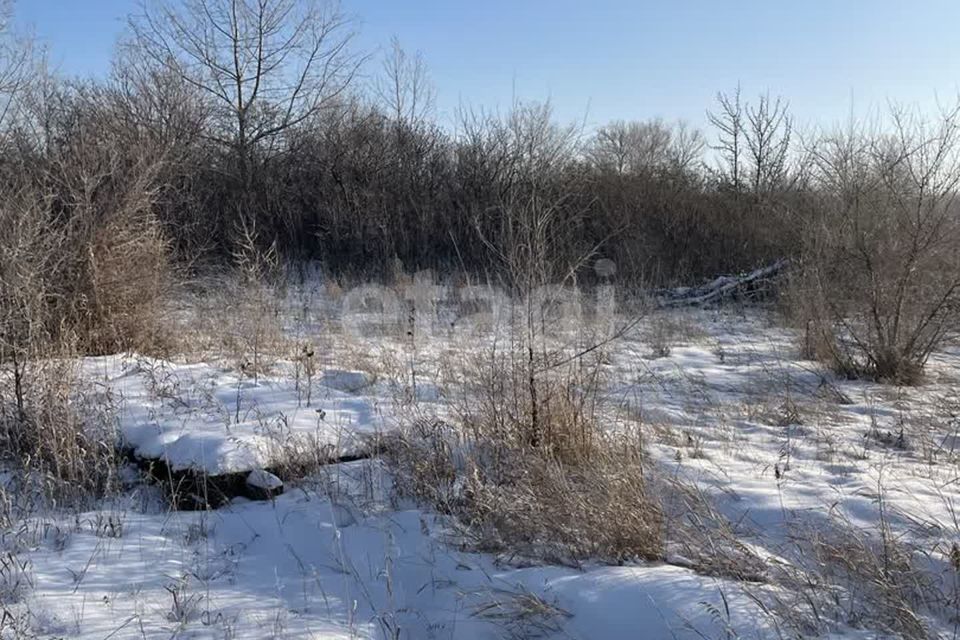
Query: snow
[[263, 480], [203, 418], [730, 408], [290, 569], [348, 381]]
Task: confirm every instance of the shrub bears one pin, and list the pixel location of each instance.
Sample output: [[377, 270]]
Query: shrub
[[85, 261], [63, 436], [84, 269], [558, 485], [879, 282]]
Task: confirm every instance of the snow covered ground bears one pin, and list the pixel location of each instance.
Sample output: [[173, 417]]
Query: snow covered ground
[[216, 420], [310, 566], [777, 445]]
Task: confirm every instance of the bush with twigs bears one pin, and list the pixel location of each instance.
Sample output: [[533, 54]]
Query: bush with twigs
[[577, 491], [878, 287], [84, 269]]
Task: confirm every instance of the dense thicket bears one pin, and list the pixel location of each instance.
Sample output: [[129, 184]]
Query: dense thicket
[[235, 120], [255, 124], [362, 191]]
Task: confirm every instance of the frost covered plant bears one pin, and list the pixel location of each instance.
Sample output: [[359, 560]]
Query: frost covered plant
[[16, 577], [184, 605], [256, 267], [109, 525], [522, 613]]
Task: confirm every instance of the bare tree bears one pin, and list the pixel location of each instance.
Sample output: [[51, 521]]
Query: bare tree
[[730, 127], [686, 148], [20, 64], [157, 103], [153, 107], [611, 148], [633, 147], [767, 136], [404, 87], [265, 65]]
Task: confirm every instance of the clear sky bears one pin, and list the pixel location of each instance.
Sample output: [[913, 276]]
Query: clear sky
[[630, 59]]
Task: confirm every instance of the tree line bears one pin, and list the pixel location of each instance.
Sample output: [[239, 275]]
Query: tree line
[[231, 126]]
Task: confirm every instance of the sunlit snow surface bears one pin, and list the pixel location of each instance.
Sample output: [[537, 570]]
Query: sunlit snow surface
[[777, 443], [218, 421]]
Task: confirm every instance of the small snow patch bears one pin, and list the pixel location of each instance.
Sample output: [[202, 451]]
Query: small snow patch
[[263, 485], [262, 479], [348, 381]]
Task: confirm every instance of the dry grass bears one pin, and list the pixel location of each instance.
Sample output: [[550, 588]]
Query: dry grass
[[61, 435], [85, 269], [843, 574], [526, 504], [521, 613], [533, 475], [665, 330]]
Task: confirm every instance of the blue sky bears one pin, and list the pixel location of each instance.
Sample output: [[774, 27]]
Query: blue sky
[[605, 59]]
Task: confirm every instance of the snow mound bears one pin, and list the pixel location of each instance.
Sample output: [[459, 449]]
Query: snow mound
[[202, 418], [261, 479], [346, 381]]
